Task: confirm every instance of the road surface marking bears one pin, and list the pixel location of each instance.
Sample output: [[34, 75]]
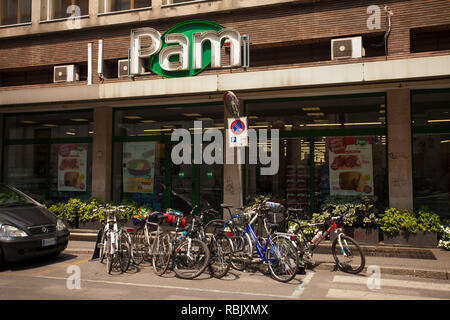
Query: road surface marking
[[395, 283], [175, 288], [58, 268], [301, 287], [370, 295]]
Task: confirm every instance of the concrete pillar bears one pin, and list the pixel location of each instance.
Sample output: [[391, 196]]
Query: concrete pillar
[[101, 151], [232, 173], [399, 149]]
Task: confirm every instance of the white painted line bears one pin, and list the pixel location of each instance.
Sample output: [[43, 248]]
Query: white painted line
[[395, 283], [370, 295], [301, 287], [146, 285]]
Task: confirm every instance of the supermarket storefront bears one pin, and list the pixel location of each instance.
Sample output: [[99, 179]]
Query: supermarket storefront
[[328, 145]]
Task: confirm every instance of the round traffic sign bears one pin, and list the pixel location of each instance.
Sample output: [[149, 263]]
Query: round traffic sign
[[237, 127]]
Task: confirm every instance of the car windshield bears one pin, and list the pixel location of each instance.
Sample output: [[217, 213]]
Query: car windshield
[[9, 198]]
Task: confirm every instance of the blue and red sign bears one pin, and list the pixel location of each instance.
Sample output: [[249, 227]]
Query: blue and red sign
[[237, 127]]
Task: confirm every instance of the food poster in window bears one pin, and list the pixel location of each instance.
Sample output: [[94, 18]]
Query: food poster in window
[[138, 167], [72, 167], [350, 165]]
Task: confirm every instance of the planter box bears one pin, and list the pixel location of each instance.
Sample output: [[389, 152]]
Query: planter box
[[361, 235], [420, 239], [93, 225]]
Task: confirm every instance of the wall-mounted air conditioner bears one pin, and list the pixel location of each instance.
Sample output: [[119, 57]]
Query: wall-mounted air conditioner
[[345, 48], [122, 68], [67, 73]]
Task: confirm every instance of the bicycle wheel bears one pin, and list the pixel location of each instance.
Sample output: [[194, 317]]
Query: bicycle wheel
[[124, 251], [107, 253], [102, 247], [190, 258], [242, 251], [213, 226], [282, 258], [138, 246], [350, 257], [161, 253], [221, 250]]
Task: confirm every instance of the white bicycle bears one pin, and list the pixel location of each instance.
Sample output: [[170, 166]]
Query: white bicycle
[[115, 244]]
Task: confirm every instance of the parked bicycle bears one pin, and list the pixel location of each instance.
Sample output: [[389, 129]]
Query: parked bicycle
[[151, 245], [115, 243], [347, 253], [219, 245], [189, 255], [276, 250]]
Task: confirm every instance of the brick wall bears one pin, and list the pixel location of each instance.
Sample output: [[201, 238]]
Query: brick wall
[[273, 26]]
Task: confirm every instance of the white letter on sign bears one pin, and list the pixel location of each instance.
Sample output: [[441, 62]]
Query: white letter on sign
[[181, 49], [137, 51], [215, 38]]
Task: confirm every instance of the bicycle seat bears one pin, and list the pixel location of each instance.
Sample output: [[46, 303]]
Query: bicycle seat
[[294, 210], [272, 227], [223, 205]]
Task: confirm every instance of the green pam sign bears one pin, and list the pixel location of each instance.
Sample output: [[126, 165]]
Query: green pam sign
[[184, 50]]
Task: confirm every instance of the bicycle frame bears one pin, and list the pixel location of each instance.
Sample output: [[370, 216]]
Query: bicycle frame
[[259, 247]]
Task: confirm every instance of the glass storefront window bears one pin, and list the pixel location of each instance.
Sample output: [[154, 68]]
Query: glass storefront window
[[75, 124], [49, 155], [329, 146], [431, 108], [139, 171], [318, 113], [431, 150], [145, 127], [70, 171], [431, 172], [152, 121], [25, 169]]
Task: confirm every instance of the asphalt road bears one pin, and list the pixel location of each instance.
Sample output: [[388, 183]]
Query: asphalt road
[[57, 279]]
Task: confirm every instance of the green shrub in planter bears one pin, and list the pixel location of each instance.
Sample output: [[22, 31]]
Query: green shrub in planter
[[309, 232], [360, 211], [393, 221], [444, 241]]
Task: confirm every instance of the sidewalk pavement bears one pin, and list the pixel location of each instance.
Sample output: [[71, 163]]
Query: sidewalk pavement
[[433, 263]]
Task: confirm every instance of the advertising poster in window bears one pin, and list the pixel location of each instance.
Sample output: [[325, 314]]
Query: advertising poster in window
[[138, 167], [72, 164], [351, 165]]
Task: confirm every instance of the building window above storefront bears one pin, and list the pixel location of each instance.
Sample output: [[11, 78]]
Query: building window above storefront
[[76, 124], [106, 6], [60, 9], [15, 12]]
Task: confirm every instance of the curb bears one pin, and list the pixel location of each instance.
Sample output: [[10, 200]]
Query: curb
[[420, 273]]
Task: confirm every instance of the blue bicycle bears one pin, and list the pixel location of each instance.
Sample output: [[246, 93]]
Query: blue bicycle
[[276, 250]]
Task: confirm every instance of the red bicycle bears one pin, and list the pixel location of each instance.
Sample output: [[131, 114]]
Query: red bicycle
[[346, 252]]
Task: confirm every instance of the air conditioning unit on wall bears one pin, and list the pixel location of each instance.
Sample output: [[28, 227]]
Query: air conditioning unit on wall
[[67, 73], [345, 48], [122, 68]]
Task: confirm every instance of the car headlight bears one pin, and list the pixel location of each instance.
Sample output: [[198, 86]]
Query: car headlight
[[7, 231], [60, 226]]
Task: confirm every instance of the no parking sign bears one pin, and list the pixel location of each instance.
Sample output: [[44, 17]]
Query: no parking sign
[[238, 133]]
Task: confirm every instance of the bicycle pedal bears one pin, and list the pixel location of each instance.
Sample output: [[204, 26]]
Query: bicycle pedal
[[100, 245]]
